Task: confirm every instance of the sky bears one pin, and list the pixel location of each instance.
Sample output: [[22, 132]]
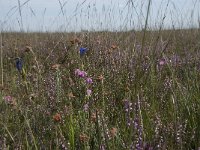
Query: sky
[[76, 15]]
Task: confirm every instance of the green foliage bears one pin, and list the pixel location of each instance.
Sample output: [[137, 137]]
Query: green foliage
[[136, 100]]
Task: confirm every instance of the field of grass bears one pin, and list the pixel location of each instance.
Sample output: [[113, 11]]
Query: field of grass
[[121, 93], [101, 90]]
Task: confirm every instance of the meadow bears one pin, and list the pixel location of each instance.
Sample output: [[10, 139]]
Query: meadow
[[118, 93], [100, 90]]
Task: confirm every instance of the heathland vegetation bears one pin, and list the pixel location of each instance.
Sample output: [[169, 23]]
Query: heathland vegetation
[[100, 90]]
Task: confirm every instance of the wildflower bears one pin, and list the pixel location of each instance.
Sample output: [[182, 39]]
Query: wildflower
[[86, 107], [19, 63], [128, 108], [9, 100], [89, 92], [89, 80], [83, 137], [57, 117], [162, 62], [113, 132], [77, 71], [83, 51], [80, 73]]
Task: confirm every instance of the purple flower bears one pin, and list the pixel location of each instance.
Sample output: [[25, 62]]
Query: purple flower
[[9, 100], [86, 107], [19, 64], [80, 73], [83, 51], [162, 62], [77, 71], [89, 92], [89, 80], [128, 108]]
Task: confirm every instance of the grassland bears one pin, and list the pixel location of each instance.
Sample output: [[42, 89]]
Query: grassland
[[145, 93]]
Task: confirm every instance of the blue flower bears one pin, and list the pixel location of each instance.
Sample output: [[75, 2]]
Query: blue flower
[[83, 51], [19, 64]]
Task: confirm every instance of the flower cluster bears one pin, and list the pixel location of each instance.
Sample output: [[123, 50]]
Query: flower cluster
[[88, 80], [81, 74]]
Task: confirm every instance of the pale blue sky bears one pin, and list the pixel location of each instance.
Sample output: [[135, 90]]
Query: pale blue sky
[[47, 15]]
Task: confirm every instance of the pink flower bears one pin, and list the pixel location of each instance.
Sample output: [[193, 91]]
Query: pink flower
[[89, 92], [89, 80], [77, 71], [162, 62], [7, 99], [80, 73], [86, 107]]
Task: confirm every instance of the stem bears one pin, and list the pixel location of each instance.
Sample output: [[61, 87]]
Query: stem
[[1, 45], [20, 13], [145, 28]]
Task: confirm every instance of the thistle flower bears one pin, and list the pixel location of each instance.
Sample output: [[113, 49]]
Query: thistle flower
[[83, 51]]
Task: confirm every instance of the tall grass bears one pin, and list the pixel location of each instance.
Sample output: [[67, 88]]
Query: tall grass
[[144, 89]]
